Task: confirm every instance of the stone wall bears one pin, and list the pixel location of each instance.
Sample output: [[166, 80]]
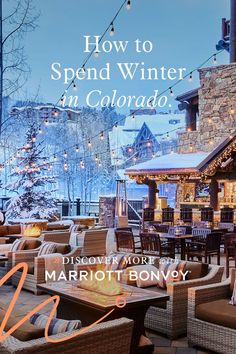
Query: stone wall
[[217, 110]]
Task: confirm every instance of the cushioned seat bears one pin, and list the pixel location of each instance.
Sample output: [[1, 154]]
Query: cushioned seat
[[218, 312], [26, 331]]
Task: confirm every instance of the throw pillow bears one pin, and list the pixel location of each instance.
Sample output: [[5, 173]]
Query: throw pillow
[[143, 274], [18, 245], [47, 248], [56, 326], [170, 272], [117, 261]]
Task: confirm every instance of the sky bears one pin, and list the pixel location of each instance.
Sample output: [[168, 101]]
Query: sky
[[184, 33]]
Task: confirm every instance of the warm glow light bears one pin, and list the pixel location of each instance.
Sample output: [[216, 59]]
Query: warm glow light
[[31, 230], [109, 286]]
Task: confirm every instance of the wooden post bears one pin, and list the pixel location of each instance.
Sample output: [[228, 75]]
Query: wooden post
[[152, 190], [214, 190]]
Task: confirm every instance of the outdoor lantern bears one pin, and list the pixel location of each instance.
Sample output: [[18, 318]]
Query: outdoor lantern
[[121, 212]]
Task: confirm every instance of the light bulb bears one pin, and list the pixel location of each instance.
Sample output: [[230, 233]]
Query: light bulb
[[89, 144], [46, 122], [112, 32], [65, 154], [74, 86], [96, 54], [214, 59], [171, 92], [77, 148], [101, 136], [190, 79], [54, 157], [128, 5], [133, 116], [40, 131]]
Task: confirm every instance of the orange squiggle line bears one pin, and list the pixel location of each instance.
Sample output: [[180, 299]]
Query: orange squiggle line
[[55, 299]]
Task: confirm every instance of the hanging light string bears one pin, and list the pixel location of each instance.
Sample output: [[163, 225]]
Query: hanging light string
[[93, 51], [97, 156], [134, 112]]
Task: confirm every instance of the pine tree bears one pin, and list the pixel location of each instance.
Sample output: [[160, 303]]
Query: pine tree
[[33, 200]]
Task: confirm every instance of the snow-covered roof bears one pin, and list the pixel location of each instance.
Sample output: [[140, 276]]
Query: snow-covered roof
[[159, 125], [169, 162]]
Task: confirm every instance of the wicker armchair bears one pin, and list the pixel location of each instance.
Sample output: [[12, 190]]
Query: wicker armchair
[[214, 337], [30, 244], [36, 271], [104, 338], [172, 320]]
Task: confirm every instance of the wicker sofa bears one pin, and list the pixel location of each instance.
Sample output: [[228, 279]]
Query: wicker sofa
[[104, 338], [171, 319], [36, 271], [211, 320]]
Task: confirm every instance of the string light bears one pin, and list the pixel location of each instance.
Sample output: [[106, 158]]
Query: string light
[[214, 59], [65, 154], [130, 149], [211, 142], [33, 138], [133, 116], [231, 111], [190, 77], [96, 54], [40, 131], [77, 148], [89, 143], [99, 164], [74, 86], [112, 32], [116, 125], [96, 157], [102, 136], [210, 120], [82, 164], [128, 5], [46, 122], [171, 91], [55, 157]]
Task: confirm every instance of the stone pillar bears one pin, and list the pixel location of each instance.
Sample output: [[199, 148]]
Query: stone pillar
[[214, 190]]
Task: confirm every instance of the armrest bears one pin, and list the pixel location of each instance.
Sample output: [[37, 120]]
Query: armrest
[[24, 256], [177, 290], [207, 293], [76, 252]]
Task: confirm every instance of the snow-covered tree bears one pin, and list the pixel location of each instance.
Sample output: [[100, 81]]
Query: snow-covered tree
[[33, 199]]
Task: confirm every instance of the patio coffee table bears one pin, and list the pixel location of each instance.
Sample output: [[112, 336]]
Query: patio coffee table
[[89, 306]]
